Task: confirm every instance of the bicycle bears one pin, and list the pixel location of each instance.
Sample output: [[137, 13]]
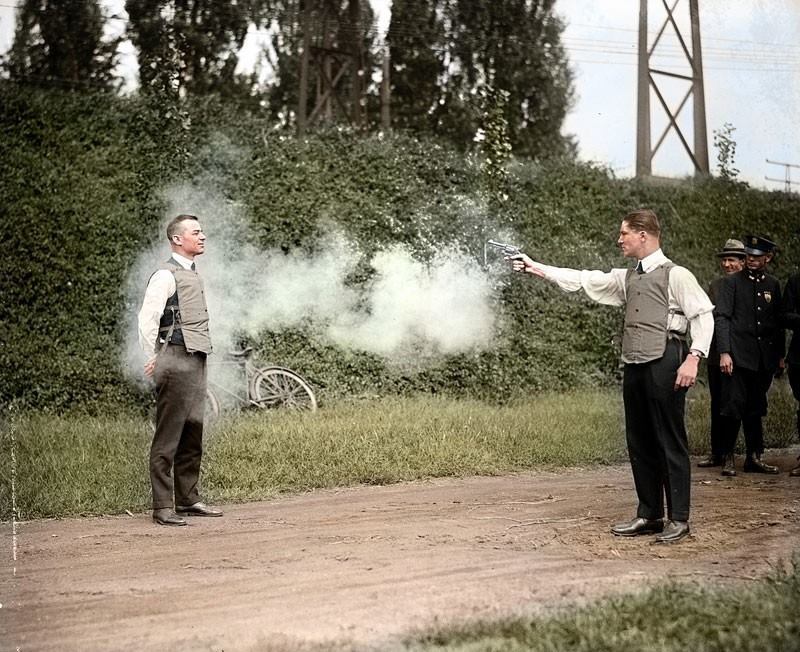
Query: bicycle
[[270, 387]]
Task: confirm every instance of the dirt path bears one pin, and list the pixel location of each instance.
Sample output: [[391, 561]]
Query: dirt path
[[370, 563]]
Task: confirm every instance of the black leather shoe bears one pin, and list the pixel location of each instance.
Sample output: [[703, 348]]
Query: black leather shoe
[[198, 509], [674, 531], [753, 464], [795, 472], [711, 460], [729, 466], [166, 516], [638, 526]]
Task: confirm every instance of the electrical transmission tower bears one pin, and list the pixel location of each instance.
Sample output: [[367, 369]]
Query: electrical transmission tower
[[787, 175], [654, 78]]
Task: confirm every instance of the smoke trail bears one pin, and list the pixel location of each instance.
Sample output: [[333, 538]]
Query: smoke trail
[[411, 310]]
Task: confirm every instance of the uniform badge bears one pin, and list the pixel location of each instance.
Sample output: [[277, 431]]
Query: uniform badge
[[767, 296]]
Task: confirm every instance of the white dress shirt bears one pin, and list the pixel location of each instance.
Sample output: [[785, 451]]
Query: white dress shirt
[[160, 288], [685, 295]]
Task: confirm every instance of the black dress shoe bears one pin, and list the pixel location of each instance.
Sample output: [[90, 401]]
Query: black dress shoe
[[711, 460], [198, 509], [729, 466], [753, 464], [795, 472], [638, 526], [166, 516], [674, 531]]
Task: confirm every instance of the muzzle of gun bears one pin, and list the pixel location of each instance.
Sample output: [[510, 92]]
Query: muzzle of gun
[[505, 248]]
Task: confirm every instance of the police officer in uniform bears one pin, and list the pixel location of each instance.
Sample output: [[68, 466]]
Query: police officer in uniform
[[173, 331], [664, 307], [731, 260], [751, 343], [791, 316]]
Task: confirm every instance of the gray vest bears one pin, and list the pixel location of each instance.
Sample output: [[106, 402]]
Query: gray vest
[[185, 319], [647, 313]]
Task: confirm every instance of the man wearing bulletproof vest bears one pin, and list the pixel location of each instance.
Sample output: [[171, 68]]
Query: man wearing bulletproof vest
[[752, 345], [173, 331], [663, 306]]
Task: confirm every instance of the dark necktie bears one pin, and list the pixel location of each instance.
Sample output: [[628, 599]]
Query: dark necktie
[[639, 268], [192, 268]]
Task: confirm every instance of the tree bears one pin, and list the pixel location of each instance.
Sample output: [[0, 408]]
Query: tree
[[202, 36], [61, 42], [726, 152], [417, 46], [509, 45]]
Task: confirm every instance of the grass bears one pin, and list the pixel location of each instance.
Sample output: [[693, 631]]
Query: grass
[[671, 618], [81, 465], [761, 616]]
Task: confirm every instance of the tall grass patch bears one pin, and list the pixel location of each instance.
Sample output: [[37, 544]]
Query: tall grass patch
[[76, 464], [393, 440], [671, 618]]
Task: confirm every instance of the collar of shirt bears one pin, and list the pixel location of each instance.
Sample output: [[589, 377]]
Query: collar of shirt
[[184, 262], [649, 263]]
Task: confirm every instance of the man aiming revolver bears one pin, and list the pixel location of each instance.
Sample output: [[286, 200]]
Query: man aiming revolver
[[664, 306]]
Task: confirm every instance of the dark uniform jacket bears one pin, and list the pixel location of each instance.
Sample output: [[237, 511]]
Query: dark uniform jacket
[[749, 320], [791, 317], [713, 291]]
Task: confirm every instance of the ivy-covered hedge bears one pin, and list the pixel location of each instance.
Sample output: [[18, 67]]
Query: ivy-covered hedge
[[82, 183]]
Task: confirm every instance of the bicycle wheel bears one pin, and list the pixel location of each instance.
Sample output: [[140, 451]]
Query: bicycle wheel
[[276, 387]]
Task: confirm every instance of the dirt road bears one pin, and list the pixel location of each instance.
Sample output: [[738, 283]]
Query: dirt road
[[371, 563]]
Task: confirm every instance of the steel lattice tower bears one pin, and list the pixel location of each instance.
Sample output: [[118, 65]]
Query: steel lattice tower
[[649, 78]]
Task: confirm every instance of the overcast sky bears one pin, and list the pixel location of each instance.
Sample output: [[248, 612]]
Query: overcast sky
[[751, 58]]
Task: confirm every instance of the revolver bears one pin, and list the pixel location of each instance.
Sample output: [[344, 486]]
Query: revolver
[[506, 249]]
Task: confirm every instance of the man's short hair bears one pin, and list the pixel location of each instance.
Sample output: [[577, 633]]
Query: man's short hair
[[174, 226], [644, 219]]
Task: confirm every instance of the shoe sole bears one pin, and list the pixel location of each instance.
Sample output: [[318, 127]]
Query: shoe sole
[[672, 539], [198, 514], [157, 522], [638, 533]]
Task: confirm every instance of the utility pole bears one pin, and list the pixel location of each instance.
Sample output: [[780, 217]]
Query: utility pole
[[787, 175], [649, 78]]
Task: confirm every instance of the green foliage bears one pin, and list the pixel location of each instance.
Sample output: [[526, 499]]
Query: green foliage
[[76, 464], [192, 45], [83, 186], [444, 53], [61, 44], [669, 618], [726, 152], [495, 145]]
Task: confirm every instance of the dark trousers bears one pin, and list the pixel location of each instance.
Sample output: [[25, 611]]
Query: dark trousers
[[714, 389], [794, 382], [744, 399], [656, 435], [177, 447]]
